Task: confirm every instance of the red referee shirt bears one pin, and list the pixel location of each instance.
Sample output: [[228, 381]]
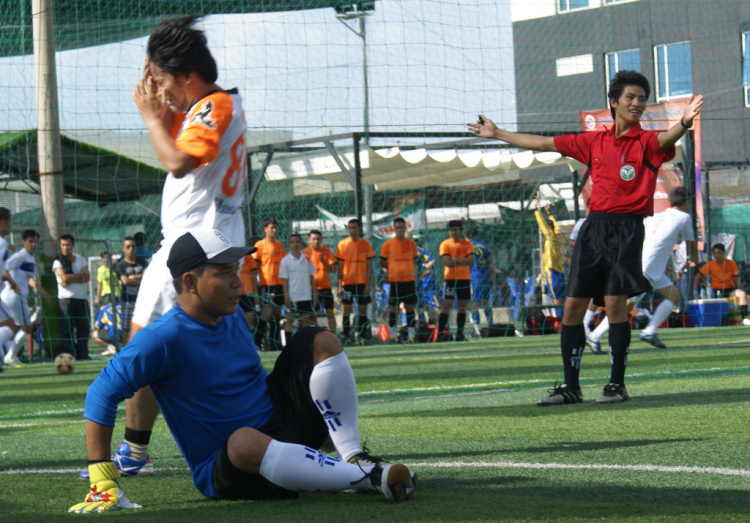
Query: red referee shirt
[[623, 170]]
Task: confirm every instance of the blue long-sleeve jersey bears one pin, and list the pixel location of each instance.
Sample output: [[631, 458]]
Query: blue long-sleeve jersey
[[207, 381]]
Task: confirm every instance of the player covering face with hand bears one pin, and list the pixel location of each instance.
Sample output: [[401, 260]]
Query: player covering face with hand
[[244, 434], [606, 264]]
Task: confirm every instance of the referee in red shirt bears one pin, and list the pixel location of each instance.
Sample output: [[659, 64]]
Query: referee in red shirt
[[623, 162]]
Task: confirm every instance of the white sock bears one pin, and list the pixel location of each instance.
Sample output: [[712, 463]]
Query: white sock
[[660, 314], [334, 391], [603, 327], [6, 334], [300, 468], [18, 340], [587, 319]]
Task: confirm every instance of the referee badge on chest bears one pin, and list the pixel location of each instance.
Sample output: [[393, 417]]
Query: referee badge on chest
[[627, 172]]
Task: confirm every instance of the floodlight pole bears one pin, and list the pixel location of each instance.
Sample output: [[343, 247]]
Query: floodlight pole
[[362, 33], [49, 148]]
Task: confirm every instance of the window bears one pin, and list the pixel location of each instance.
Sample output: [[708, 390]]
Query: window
[[571, 5], [608, 2], [674, 72], [746, 66], [630, 59]]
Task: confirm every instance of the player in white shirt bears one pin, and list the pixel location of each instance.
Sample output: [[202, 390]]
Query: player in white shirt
[[297, 274], [6, 318], [22, 268], [663, 231], [198, 132]]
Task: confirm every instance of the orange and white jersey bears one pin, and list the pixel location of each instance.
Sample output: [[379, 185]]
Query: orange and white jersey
[[210, 196]]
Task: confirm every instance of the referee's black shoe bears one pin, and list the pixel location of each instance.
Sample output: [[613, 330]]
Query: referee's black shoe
[[613, 393], [561, 395]]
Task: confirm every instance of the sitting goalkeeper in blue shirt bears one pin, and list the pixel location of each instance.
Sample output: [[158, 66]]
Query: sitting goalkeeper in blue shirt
[[243, 433]]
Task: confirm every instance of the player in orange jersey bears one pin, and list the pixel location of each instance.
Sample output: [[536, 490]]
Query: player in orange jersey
[[355, 256], [458, 256], [398, 256], [324, 260], [268, 256], [248, 275]]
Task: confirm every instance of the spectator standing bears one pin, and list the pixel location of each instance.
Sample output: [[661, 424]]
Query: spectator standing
[[248, 298], [482, 282], [725, 279], [129, 269], [552, 256], [457, 254], [398, 255], [427, 290], [324, 261], [72, 274], [355, 256], [140, 249], [268, 255], [104, 292], [297, 274]]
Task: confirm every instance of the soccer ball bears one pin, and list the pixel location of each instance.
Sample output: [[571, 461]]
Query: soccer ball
[[65, 363]]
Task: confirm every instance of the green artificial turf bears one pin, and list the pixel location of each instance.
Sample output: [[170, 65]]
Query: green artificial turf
[[679, 450]]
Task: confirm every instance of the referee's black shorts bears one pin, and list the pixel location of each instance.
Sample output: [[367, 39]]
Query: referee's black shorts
[[606, 259], [295, 419]]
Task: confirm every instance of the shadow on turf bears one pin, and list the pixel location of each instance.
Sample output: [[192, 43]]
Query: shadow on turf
[[573, 446], [709, 397]]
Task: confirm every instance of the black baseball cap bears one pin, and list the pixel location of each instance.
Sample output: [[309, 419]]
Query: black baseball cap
[[201, 246]]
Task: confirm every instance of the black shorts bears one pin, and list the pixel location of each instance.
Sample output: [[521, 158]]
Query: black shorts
[[723, 293], [460, 289], [606, 259], [355, 291], [402, 292], [325, 297], [304, 307], [272, 295], [295, 419], [247, 303]]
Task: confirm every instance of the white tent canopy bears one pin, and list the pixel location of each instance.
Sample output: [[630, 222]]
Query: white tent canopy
[[391, 168]]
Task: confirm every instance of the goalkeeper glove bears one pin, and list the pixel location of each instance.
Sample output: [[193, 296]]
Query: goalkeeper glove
[[105, 494]]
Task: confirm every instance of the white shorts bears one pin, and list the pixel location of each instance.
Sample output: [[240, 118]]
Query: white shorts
[[8, 309], [156, 295], [656, 276]]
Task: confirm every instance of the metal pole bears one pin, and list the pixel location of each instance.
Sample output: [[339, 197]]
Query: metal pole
[[366, 121], [49, 148]]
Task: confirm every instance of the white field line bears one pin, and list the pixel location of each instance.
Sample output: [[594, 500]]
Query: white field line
[[720, 471]]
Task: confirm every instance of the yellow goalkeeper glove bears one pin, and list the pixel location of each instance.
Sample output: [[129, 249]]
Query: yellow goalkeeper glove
[[105, 494]]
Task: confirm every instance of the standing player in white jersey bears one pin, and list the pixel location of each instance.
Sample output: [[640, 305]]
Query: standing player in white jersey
[[198, 132], [6, 319], [21, 267], [663, 231]]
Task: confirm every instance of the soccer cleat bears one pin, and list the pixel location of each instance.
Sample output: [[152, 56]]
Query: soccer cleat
[[11, 359], [652, 339], [745, 321], [394, 481], [613, 393], [365, 459], [595, 346], [460, 336], [127, 467], [111, 350], [561, 395]]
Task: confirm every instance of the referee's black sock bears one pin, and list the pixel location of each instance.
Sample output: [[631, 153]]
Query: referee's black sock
[[572, 343], [743, 311], [619, 346], [346, 325], [392, 320], [410, 319]]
